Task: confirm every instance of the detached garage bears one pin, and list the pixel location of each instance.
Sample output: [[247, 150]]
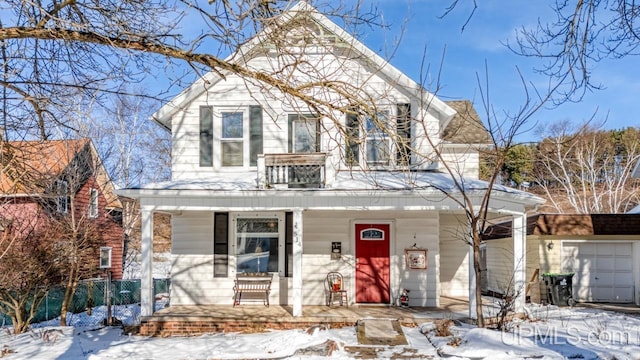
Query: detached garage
[[603, 270], [603, 250]]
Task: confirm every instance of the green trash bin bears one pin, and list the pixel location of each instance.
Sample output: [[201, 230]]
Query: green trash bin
[[559, 288]]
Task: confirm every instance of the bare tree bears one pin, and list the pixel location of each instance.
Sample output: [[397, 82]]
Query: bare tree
[[76, 246], [122, 34], [503, 129], [582, 34], [27, 265], [63, 204], [133, 149], [85, 49], [586, 170]]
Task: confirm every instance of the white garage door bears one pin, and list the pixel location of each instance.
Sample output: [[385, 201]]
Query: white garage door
[[603, 271]]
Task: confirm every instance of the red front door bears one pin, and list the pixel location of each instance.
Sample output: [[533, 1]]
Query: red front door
[[372, 263]]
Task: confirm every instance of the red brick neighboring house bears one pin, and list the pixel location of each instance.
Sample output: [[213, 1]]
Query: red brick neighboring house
[[38, 179]]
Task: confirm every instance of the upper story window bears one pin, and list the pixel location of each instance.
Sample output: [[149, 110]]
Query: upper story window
[[62, 196], [232, 139], [377, 141], [93, 203], [206, 136], [304, 133], [383, 139]]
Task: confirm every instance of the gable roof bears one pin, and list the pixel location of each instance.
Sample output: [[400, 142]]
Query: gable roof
[[466, 126], [571, 225], [22, 161], [28, 167], [302, 8]]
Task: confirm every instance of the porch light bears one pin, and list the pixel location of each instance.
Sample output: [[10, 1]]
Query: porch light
[[550, 245]]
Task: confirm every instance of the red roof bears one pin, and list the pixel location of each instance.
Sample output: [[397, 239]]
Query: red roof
[[26, 165]]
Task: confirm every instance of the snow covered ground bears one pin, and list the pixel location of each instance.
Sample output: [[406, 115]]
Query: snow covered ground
[[550, 333]]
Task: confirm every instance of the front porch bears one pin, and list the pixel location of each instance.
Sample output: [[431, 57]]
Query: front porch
[[188, 320], [307, 233]]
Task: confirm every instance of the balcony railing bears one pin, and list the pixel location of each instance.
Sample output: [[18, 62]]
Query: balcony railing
[[292, 170]]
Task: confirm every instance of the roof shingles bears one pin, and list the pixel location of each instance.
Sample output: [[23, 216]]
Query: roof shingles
[[466, 126]]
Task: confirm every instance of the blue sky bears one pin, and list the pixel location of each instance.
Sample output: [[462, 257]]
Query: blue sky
[[494, 23]]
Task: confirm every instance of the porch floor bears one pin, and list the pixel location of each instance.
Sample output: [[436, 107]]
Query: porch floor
[[195, 319]]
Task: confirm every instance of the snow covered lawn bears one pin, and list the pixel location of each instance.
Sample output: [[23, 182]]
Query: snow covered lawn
[[551, 333]]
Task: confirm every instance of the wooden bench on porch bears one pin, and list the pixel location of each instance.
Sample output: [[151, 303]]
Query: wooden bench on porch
[[252, 286]]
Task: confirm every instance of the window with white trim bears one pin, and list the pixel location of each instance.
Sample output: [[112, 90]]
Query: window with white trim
[[240, 136], [259, 240], [105, 257], [380, 140], [93, 203], [304, 133], [377, 141], [232, 139]]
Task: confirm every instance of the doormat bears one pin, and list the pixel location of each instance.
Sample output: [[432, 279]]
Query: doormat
[[380, 332]]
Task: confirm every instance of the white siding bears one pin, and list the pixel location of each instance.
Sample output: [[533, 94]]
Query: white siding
[[323, 227], [463, 160], [500, 263], [192, 270], [192, 279], [235, 93], [454, 260]]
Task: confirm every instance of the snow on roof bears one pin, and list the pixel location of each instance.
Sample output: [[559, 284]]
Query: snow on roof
[[347, 180]]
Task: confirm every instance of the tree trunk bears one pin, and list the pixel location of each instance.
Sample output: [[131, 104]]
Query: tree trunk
[[478, 275], [19, 318], [19, 325], [69, 291]]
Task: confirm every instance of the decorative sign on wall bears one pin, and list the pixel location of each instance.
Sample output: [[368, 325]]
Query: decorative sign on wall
[[416, 258]]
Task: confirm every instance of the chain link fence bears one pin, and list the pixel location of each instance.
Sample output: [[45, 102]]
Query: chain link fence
[[89, 308]]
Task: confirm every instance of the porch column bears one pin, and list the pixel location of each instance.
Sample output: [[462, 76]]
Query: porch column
[[519, 260], [473, 314], [146, 269], [297, 262]]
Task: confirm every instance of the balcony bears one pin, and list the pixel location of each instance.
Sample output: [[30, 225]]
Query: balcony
[[306, 170]]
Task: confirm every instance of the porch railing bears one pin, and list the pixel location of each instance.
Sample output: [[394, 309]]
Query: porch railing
[[292, 170]]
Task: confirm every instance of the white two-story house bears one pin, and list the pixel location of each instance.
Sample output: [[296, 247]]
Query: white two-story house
[[345, 175]]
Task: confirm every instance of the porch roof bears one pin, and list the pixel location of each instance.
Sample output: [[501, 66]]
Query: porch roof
[[382, 183]]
